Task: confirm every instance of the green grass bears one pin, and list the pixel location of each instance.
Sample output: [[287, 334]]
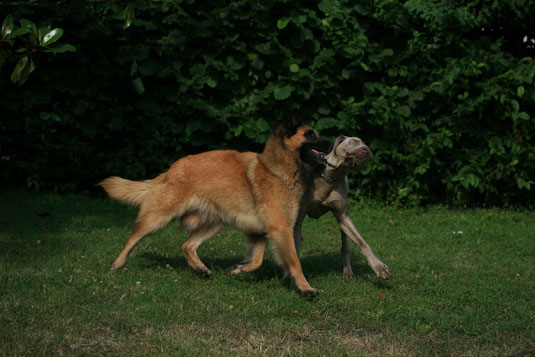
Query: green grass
[[451, 294]]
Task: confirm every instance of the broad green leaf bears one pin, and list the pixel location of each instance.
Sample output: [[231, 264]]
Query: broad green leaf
[[238, 130], [7, 26], [282, 23], [25, 23], [29, 25], [42, 31], [347, 73], [520, 91], [128, 16], [138, 85], [294, 68], [21, 71], [283, 92], [523, 115], [404, 111], [52, 37], [60, 48], [16, 33], [262, 125], [211, 83], [516, 105], [472, 180], [133, 68]]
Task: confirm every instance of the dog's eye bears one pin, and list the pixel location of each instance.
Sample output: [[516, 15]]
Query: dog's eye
[[310, 134]]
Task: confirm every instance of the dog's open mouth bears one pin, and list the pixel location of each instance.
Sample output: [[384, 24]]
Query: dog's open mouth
[[313, 153], [320, 149]]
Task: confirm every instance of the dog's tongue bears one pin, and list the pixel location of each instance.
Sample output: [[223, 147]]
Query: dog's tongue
[[315, 151]]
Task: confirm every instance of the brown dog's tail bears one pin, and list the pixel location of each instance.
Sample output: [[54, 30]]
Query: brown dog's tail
[[130, 192]]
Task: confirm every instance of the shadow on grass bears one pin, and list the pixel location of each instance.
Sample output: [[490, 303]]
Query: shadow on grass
[[320, 265]]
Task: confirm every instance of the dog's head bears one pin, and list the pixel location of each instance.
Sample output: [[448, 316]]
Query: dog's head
[[303, 140], [348, 153]]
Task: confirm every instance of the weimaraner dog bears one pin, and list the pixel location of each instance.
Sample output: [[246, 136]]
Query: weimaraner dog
[[330, 194]]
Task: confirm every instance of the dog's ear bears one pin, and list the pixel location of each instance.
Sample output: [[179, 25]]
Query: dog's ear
[[292, 124]]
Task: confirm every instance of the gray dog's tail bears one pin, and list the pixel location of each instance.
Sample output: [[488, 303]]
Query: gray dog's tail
[[130, 192]]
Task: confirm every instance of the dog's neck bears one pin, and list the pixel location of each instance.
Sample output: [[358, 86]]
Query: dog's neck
[[281, 163], [336, 168]]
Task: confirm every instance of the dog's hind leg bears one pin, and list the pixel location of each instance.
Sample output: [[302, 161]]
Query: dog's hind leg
[[196, 238], [346, 258], [256, 246], [146, 224]]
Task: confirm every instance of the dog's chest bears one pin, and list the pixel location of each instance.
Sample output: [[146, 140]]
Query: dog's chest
[[317, 209]]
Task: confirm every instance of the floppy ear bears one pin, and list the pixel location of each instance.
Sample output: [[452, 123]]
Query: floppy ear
[[292, 124]]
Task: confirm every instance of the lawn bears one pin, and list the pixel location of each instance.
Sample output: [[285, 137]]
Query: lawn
[[463, 284]]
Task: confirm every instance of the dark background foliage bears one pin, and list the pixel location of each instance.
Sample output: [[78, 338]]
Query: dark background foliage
[[441, 91]]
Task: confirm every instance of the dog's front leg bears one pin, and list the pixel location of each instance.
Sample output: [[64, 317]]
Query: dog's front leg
[[285, 253], [347, 227]]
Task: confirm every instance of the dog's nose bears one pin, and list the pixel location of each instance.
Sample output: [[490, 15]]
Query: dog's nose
[[365, 151]]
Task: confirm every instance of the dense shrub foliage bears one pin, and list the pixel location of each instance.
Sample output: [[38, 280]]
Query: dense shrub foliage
[[441, 91]]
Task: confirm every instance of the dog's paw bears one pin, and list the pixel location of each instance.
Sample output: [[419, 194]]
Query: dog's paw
[[234, 269], [348, 273], [205, 273], [382, 270], [310, 294], [117, 263]]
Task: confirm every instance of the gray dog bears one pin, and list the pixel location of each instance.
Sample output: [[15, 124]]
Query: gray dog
[[330, 194]]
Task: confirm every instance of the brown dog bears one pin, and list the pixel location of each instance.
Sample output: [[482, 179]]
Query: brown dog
[[260, 194], [330, 194]]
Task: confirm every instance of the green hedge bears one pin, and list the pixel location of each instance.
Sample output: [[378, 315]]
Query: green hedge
[[441, 91]]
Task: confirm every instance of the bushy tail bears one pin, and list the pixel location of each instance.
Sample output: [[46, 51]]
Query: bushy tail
[[131, 192]]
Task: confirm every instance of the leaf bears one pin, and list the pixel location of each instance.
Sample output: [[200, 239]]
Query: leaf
[[515, 104], [60, 48], [128, 16], [294, 68], [7, 26], [520, 91], [283, 22], [404, 111], [262, 125], [17, 33], [472, 180], [25, 23], [211, 83], [523, 115], [29, 25], [284, 92], [138, 85], [52, 37], [133, 68], [21, 71]]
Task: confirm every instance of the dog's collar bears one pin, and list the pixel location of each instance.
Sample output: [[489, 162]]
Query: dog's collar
[[326, 179], [324, 159], [328, 163], [322, 175]]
